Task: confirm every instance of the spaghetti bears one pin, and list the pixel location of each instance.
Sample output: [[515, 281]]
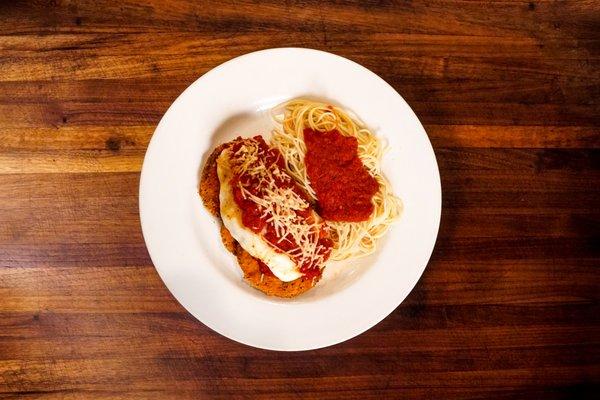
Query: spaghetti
[[352, 239]]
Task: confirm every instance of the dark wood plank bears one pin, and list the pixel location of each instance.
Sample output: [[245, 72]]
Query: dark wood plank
[[505, 18]]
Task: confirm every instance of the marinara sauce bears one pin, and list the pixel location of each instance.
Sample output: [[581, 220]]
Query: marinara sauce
[[343, 186], [254, 216]]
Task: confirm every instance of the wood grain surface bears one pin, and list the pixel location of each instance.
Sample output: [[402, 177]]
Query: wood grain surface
[[509, 93]]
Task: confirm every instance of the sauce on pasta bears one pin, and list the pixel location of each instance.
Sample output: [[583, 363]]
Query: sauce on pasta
[[343, 186]]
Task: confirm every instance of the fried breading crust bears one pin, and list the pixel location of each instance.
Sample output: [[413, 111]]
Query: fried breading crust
[[209, 182], [268, 284]]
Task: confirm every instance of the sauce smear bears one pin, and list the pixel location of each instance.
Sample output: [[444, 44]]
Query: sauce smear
[[343, 186]]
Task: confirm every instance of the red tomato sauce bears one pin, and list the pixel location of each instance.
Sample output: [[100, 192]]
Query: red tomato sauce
[[343, 186], [253, 216], [264, 268]]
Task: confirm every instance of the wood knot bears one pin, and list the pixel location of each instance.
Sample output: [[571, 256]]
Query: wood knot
[[113, 144]]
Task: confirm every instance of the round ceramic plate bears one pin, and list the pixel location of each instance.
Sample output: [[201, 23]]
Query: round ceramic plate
[[183, 239]]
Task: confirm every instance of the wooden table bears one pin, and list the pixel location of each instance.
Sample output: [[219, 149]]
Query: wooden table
[[508, 306]]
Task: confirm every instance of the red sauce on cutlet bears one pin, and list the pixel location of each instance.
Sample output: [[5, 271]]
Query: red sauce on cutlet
[[253, 215]]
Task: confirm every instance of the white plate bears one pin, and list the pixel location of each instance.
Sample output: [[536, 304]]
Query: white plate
[[183, 239]]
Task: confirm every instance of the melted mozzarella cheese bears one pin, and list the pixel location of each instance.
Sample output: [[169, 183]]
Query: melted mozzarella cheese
[[282, 266]]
